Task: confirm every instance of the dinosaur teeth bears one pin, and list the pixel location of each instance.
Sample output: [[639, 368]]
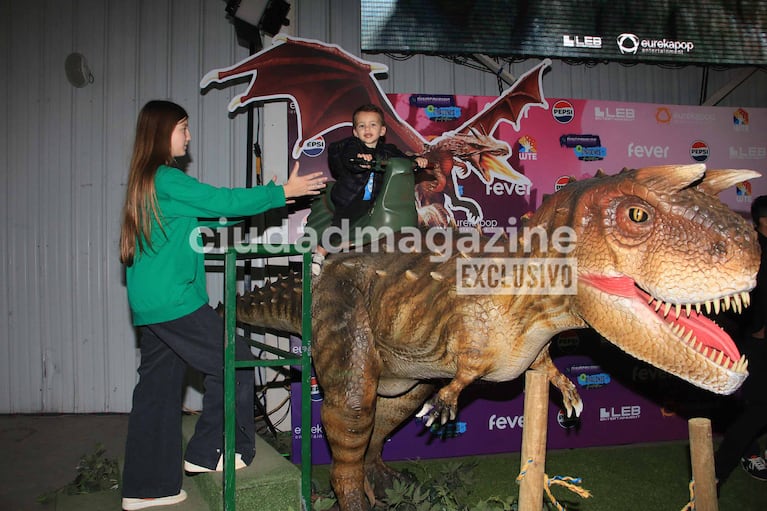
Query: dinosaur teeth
[[411, 275], [437, 276], [381, 273]]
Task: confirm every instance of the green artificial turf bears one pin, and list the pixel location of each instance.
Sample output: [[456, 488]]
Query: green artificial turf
[[652, 477]]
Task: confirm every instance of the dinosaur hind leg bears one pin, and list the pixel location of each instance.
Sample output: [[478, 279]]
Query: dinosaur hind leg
[[348, 369], [390, 413]]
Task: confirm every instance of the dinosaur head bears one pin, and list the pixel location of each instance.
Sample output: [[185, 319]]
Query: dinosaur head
[[655, 248]]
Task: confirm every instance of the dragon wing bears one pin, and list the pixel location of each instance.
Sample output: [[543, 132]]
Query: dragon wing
[[511, 105], [322, 80]]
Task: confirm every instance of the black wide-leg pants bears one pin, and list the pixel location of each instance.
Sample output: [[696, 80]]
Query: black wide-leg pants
[[153, 450]]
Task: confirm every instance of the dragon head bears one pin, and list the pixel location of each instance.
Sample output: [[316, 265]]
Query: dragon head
[[479, 152], [655, 249]]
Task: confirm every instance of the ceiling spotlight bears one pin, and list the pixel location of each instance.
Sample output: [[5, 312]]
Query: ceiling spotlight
[[251, 17]]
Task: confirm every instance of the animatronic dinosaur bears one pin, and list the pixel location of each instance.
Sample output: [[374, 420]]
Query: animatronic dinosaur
[[653, 247]]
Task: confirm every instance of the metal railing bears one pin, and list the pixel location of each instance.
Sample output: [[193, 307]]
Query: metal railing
[[284, 358]]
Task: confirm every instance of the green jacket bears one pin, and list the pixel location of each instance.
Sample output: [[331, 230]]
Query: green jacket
[[167, 281]]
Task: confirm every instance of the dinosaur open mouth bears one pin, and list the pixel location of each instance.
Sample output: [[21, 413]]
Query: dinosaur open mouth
[[686, 320]]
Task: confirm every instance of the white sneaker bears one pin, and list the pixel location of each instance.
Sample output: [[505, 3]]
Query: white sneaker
[[317, 260], [197, 469], [131, 504]]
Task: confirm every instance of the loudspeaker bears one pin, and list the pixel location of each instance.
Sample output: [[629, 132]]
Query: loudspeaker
[[78, 72]]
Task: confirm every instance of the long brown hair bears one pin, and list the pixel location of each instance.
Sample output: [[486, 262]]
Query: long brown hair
[[151, 149]]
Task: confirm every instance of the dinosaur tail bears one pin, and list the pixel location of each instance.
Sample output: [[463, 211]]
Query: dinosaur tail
[[277, 305]]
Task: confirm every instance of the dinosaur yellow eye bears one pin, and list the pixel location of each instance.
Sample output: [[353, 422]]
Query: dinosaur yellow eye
[[638, 215]]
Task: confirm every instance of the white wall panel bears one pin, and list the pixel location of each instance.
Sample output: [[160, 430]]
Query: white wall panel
[[66, 341]]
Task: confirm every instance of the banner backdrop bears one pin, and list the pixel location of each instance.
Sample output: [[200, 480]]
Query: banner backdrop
[[625, 401]]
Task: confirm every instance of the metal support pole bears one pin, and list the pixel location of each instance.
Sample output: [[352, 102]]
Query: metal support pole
[[230, 325]]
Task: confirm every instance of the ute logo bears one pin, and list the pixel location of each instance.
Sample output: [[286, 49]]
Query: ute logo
[[743, 191], [563, 111], [528, 150], [314, 147], [740, 120], [699, 151], [629, 412]]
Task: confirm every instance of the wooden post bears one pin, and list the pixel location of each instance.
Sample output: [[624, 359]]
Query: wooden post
[[534, 440], [702, 458]]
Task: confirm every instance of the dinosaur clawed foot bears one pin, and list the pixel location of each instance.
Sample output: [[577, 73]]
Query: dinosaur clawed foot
[[570, 397], [436, 408]]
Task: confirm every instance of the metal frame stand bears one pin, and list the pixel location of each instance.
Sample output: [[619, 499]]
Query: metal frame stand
[[230, 258]]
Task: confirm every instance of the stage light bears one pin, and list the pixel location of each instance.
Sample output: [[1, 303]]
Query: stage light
[[251, 17]]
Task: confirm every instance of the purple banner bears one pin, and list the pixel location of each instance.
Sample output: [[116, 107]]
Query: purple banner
[[625, 401]]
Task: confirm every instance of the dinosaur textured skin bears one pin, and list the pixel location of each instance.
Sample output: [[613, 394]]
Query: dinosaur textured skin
[[654, 247]]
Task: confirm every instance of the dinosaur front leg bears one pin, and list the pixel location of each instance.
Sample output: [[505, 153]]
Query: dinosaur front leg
[[390, 413], [444, 405], [570, 397]]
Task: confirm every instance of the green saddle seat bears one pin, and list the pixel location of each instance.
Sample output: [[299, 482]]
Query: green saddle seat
[[394, 208]]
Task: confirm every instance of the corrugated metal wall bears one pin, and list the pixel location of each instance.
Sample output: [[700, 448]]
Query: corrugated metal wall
[[65, 336]]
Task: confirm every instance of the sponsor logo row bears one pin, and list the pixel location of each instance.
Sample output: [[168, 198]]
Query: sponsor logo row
[[630, 44], [509, 423]]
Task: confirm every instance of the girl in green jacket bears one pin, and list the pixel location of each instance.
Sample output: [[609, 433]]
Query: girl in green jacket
[[165, 274]]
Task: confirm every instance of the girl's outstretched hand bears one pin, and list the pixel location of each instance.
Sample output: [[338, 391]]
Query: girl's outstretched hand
[[310, 184]]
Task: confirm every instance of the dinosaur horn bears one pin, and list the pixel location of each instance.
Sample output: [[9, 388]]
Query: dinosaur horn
[[718, 180], [670, 178]]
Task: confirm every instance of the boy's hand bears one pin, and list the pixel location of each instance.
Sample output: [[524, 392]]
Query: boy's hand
[[421, 162]]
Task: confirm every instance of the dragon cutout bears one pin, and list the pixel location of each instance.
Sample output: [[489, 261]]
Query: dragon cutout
[[324, 80]]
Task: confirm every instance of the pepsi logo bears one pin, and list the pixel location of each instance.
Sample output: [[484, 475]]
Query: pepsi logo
[[563, 111], [313, 147], [562, 181], [699, 151]]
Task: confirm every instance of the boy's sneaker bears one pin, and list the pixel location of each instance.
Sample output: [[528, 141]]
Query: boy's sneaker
[[755, 466], [131, 504], [317, 260]]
